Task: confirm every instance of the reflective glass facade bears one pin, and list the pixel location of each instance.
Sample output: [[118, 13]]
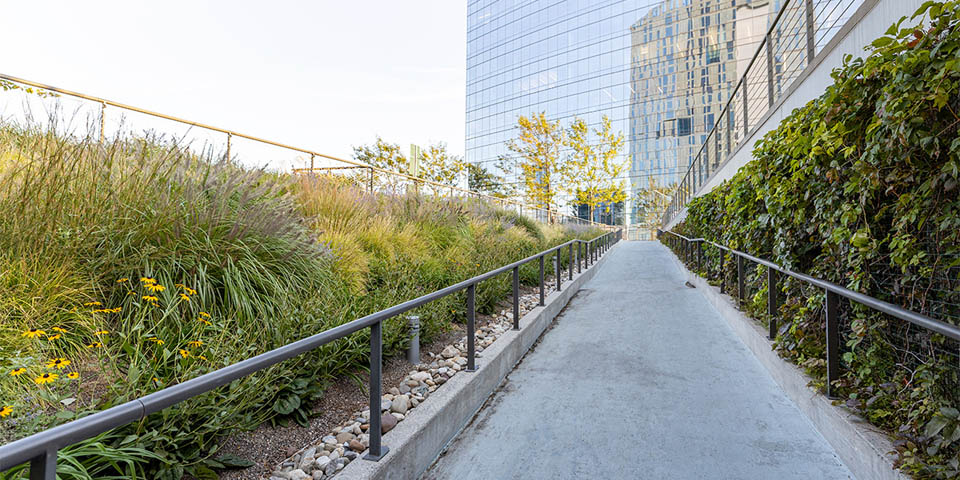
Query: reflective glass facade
[[659, 69]]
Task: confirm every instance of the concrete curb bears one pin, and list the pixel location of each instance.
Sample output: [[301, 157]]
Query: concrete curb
[[420, 438], [862, 447]]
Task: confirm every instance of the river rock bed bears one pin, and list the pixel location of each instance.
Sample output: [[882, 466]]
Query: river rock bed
[[350, 440]]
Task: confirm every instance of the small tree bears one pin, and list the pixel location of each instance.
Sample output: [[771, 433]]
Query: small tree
[[381, 154], [438, 165], [479, 179], [538, 148], [591, 172]]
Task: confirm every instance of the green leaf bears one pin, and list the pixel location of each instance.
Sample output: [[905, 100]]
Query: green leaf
[[233, 461], [882, 42], [935, 425]]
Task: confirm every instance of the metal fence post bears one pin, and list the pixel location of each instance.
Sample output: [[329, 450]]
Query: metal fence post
[[810, 32], [413, 353], [579, 255], [699, 256], [377, 451], [471, 328], [769, 70], [370, 185], [44, 467], [570, 261], [741, 280], [833, 341], [516, 298], [773, 303], [559, 272], [541, 282], [229, 141]]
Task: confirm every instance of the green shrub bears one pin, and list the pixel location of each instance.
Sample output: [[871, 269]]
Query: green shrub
[[859, 187]]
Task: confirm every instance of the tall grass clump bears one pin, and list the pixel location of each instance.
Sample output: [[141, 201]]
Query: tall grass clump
[[136, 264]]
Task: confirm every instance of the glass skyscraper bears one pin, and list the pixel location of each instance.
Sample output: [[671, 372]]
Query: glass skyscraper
[[660, 70]]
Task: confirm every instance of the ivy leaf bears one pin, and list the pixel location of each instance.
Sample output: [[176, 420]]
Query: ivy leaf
[[935, 424]]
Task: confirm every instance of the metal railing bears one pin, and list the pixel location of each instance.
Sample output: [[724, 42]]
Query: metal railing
[[41, 448], [333, 164], [790, 44], [691, 252]]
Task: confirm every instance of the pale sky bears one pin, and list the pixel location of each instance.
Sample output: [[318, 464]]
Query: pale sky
[[322, 75]]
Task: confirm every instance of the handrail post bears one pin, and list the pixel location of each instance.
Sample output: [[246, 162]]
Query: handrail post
[[559, 271], [377, 451], [773, 306], [516, 298], [541, 282], [699, 256], [570, 260], [471, 328], [44, 467], [723, 273], [741, 280], [833, 341], [103, 115]]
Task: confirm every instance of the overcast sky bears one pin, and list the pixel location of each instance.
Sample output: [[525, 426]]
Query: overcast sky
[[323, 75]]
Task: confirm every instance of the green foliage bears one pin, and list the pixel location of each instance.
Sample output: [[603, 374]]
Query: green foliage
[[859, 187], [146, 265]]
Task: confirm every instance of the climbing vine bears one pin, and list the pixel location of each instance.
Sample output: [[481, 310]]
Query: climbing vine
[[860, 187]]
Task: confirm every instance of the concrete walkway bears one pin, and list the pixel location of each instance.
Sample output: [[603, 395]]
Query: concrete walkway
[[639, 378]]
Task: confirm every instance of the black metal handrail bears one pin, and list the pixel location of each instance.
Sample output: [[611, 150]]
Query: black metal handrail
[[41, 448], [692, 250]]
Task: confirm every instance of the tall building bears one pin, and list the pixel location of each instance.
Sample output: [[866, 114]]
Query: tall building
[[646, 64], [685, 60]]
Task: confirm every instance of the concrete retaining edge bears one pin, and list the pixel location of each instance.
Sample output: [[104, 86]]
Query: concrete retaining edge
[[863, 448], [417, 441]]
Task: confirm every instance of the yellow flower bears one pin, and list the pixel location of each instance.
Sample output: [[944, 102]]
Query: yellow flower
[[6, 411], [95, 345], [58, 329], [204, 321], [116, 310], [156, 340], [187, 289], [201, 357], [195, 343], [205, 314], [53, 337], [184, 353], [18, 371], [122, 280], [34, 333], [154, 287], [132, 293], [156, 380], [46, 378], [147, 280], [58, 363], [150, 298], [73, 375], [92, 304], [101, 332], [184, 297]]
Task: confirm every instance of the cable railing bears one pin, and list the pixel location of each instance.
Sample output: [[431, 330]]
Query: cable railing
[[799, 30], [691, 252], [374, 179], [40, 449]]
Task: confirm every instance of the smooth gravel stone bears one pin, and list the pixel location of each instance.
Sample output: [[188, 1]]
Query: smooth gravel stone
[[385, 405], [387, 422], [400, 404], [404, 388], [330, 468], [298, 475], [329, 440], [322, 462], [352, 455]]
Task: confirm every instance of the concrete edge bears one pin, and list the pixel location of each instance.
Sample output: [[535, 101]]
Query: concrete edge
[[417, 441], [863, 448]]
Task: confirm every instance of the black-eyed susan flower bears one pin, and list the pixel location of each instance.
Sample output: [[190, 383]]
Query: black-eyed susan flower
[[184, 353], [184, 297], [33, 333], [116, 310], [132, 293], [95, 345], [58, 363], [201, 357], [16, 372], [150, 298], [204, 321], [92, 304], [73, 375], [156, 340], [46, 378], [204, 314], [6, 411], [187, 290], [147, 280], [195, 343], [101, 332], [122, 280], [59, 329], [53, 337], [154, 287]]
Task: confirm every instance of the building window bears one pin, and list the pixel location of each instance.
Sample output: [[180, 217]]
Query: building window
[[684, 126]]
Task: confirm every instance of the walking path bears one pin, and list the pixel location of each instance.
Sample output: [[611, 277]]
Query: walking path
[[639, 378]]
